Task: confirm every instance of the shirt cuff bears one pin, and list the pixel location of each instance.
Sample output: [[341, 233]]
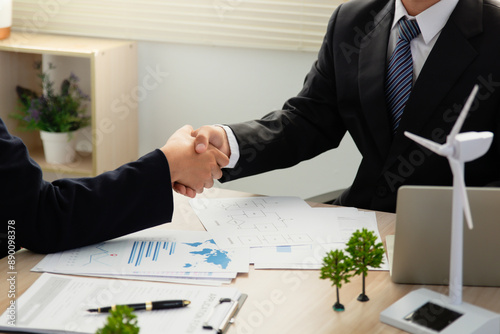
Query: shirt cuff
[[233, 146]]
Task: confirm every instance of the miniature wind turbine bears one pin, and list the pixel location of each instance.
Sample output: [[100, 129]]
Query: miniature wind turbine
[[425, 311], [459, 148]]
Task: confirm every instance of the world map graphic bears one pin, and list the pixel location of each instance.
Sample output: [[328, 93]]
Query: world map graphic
[[208, 254]]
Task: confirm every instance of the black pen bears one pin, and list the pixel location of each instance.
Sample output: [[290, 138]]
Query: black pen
[[148, 306]]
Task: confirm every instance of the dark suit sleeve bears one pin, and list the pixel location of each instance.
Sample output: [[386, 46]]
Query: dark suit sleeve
[[70, 213], [307, 125]]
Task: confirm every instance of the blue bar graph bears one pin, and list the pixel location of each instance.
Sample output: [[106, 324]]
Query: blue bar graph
[[132, 252], [149, 250], [157, 251]]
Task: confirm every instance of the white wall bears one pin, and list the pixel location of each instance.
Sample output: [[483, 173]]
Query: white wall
[[200, 85]]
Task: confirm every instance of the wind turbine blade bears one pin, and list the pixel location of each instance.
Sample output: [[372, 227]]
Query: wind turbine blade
[[463, 114], [458, 175], [434, 147]]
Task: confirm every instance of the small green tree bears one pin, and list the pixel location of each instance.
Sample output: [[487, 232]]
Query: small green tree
[[336, 267], [120, 321], [365, 253]]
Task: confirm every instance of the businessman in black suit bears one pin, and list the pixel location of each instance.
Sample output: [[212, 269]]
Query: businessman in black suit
[[457, 45], [68, 213]]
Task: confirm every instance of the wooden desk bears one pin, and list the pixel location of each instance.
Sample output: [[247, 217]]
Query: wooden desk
[[290, 301]]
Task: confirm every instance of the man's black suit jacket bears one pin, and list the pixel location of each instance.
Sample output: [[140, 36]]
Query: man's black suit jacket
[[344, 91], [47, 217]]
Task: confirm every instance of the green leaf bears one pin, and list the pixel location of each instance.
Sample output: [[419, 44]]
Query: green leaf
[[336, 267], [51, 111], [120, 321], [364, 251]]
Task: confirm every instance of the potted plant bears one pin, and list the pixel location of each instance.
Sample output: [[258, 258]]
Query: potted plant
[[56, 115]]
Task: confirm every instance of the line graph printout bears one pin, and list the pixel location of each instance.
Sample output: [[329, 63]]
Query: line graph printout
[[142, 254]]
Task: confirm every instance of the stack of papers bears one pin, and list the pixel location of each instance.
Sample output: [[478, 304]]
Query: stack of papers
[[281, 232], [153, 254], [270, 232]]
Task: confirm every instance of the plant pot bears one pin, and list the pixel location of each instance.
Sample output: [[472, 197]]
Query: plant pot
[[5, 18], [59, 147]]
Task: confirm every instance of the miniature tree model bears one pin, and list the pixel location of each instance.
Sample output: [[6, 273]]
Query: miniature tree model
[[336, 267], [120, 321], [365, 253]]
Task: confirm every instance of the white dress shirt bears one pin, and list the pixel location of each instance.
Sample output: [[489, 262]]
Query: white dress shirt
[[431, 22], [233, 146]]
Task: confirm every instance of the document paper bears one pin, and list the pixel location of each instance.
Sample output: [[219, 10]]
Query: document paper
[[255, 221], [151, 253], [282, 232], [58, 304]]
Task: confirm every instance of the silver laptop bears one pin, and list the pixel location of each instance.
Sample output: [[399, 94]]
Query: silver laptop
[[423, 230]]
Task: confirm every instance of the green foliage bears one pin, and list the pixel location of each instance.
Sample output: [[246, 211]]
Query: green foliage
[[364, 252], [336, 267], [120, 321], [50, 111]]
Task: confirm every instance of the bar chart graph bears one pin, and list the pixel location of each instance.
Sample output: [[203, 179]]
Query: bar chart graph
[[149, 251], [153, 254]]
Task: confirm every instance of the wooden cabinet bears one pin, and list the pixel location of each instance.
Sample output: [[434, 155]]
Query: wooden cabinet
[[108, 73]]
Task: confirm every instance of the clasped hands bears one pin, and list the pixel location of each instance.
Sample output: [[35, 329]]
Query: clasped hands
[[195, 158]]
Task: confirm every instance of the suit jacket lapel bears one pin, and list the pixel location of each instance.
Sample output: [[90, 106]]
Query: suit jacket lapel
[[372, 64], [454, 48]]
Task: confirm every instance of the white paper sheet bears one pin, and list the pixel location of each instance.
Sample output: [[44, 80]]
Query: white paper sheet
[[297, 257], [57, 304], [277, 221], [334, 229], [282, 232], [255, 221], [151, 253]]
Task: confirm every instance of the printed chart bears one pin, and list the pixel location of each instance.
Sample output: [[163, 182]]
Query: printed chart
[[180, 252], [149, 250]]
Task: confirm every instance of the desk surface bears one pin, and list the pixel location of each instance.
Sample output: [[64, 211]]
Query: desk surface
[[290, 301]]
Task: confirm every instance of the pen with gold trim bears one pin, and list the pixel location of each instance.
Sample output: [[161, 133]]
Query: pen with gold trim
[[148, 306]]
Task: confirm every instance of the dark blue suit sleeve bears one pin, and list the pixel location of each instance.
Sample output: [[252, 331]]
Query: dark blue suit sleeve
[[70, 213]]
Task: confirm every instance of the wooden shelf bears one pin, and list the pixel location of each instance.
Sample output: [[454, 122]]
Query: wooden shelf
[[82, 166], [62, 45], [108, 69]]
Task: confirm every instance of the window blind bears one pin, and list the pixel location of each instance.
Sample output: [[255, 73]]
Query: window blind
[[276, 24]]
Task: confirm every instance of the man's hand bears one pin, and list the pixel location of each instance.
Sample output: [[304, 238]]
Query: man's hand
[[214, 135], [195, 171]]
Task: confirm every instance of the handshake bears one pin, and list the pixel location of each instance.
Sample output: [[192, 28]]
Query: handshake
[[195, 158]]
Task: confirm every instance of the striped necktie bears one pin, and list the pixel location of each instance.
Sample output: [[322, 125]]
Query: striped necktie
[[399, 78]]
